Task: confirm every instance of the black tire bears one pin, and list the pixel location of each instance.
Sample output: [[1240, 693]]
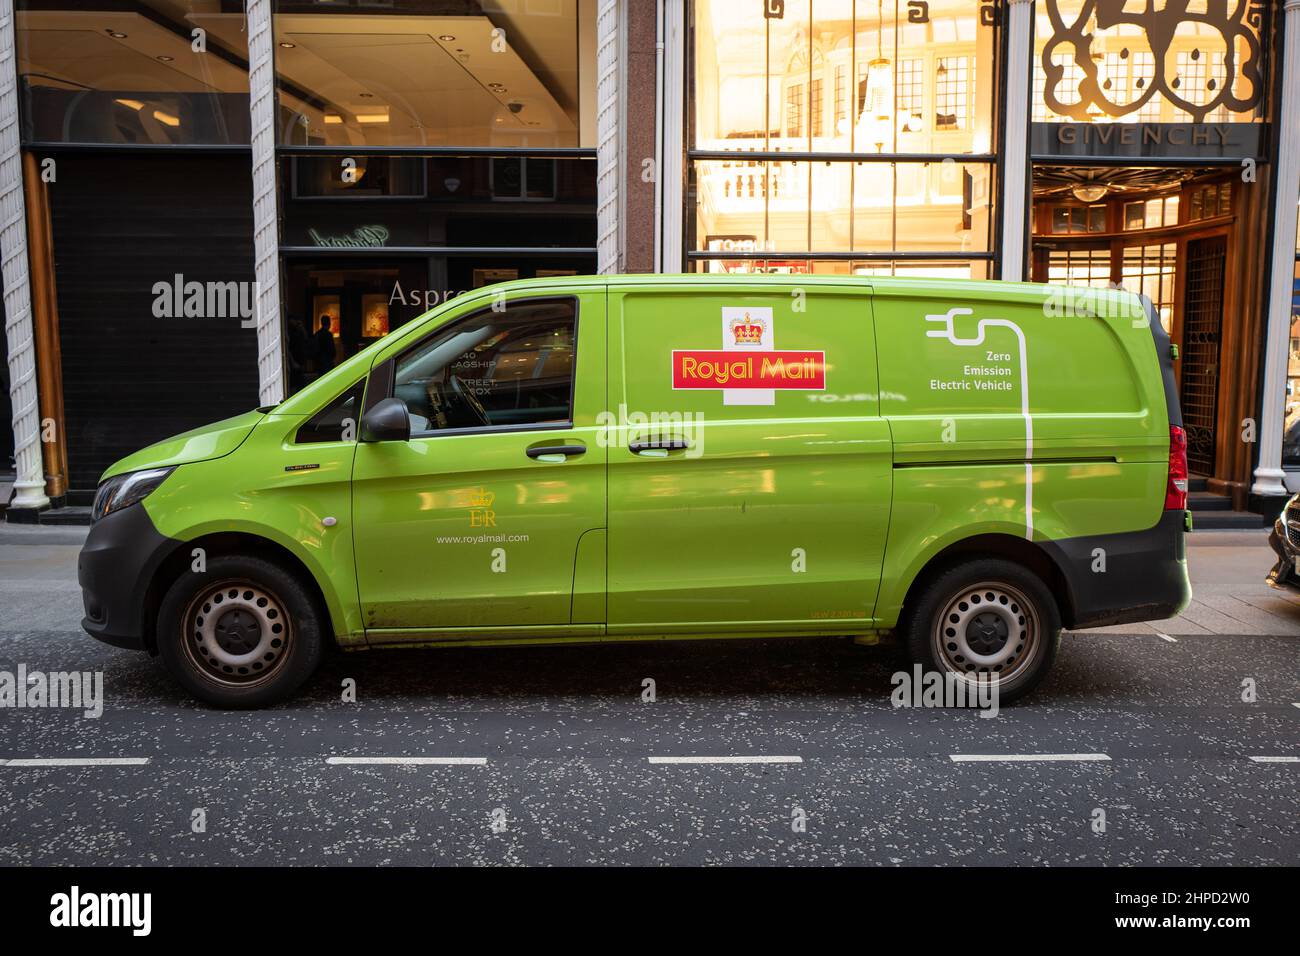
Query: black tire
[[986, 616], [243, 634]]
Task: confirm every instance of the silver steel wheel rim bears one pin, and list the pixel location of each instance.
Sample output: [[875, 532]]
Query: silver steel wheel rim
[[237, 633], [989, 628]]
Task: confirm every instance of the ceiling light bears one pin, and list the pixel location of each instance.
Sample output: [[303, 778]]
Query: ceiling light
[[166, 118], [116, 35], [285, 44], [1089, 192], [372, 118], [132, 104], [366, 96], [447, 38], [333, 119], [165, 59]]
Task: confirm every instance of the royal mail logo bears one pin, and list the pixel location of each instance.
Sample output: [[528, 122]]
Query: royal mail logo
[[748, 368], [787, 369], [748, 331]]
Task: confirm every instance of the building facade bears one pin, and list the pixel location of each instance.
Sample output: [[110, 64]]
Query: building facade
[[207, 203]]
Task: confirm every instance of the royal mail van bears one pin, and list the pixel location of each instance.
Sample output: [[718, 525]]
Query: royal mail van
[[968, 465]]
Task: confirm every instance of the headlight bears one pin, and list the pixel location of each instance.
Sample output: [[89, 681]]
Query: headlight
[[122, 490]]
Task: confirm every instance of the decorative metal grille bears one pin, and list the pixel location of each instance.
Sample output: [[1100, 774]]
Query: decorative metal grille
[[1202, 324]]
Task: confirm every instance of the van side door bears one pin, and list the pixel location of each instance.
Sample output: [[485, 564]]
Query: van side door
[[749, 468]]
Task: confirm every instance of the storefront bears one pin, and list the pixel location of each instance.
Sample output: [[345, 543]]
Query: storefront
[[893, 137], [1150, 143], [420, 149]]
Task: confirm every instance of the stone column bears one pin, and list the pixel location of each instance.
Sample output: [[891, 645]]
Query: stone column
[[29, 488], [1015, 152], [1277, 334]]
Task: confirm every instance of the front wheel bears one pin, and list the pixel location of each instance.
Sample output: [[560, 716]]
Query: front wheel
[[244, 633], [986, 620]]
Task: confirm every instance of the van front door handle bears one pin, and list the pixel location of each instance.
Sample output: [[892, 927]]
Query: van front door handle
[[554, 452]]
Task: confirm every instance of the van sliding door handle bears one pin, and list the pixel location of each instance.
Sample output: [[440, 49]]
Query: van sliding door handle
[[658, 444], [554, 452]]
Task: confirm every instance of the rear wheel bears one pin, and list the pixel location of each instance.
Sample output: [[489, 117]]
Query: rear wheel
[[986, 620], [244, 633]]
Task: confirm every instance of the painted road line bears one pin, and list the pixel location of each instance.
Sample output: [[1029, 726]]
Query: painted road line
[[1296, 705], [721, 760], [75, 762], [1166, 637], [1276, 759], [411, 761], [1023, 758]]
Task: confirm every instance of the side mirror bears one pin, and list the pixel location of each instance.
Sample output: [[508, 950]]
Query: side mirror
[[387, 421]]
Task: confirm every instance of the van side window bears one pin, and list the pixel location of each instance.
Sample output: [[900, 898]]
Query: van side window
[[335, 419], [491, 369]]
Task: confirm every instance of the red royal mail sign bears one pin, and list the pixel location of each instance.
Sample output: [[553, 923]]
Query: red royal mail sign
[[715, 368]]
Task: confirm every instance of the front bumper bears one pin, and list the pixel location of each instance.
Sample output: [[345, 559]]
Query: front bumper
[[122, 552], [1283, 575]]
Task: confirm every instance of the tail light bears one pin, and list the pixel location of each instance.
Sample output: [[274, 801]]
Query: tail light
[[1176, 489]]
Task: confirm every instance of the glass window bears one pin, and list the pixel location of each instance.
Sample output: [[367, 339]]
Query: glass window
[[156, 72], [411, 73], [755, 76], [1150, 271], [842, 206], [759, 84], [493, 369], [1080, 267], [337, 421], [1291, 422]]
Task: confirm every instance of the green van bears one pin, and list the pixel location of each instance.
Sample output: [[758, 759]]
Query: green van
[[970, 465]]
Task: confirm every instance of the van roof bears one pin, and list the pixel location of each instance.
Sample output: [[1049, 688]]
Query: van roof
[[878, 285]]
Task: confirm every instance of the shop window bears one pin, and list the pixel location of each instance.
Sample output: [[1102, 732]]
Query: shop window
[[358, 177], [521, 177], [1209, 202], [843, 206], [1079, 267], [130, 74], [859, 78], [1291, 421], [911, 96], [493, 369], [1151, 270], [1151, 213], [1078, 219], [337, 421], [513, 75], [841, 100], [951, 78], [794, 111]]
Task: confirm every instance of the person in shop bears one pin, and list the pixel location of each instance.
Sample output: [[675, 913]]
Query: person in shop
[[324, 346]]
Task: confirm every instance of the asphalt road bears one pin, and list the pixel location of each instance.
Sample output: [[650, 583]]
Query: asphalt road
[[554, 757]]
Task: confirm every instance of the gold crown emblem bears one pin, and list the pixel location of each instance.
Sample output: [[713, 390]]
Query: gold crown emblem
[[747, 331], [481, 498]]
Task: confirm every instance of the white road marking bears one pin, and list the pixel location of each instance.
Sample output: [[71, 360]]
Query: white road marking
[[75, 762], [754, 759], [1296, 705], [1166, 637], [1276, 759], [1022, 758], [422, 761]]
